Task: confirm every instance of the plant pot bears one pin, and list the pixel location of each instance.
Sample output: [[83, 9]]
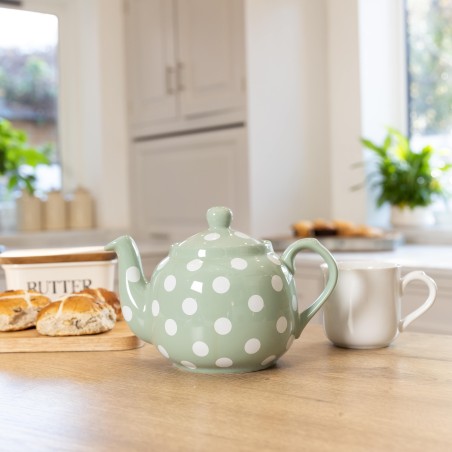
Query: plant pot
[[419, 216]]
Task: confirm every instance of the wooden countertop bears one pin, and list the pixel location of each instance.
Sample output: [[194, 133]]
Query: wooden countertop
[[318, 397]]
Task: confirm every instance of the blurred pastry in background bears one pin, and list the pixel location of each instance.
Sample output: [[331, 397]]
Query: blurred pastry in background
[[341, 228], [345, 228], [303, 228], [323, 228]]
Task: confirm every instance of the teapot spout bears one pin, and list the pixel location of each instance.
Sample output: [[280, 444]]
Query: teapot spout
[[132, 285]]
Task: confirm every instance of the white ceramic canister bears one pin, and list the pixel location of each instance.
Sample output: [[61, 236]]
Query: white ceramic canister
[[29, 212], [81, 210], [55, 215]]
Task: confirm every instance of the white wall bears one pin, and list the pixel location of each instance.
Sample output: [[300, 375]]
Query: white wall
[[101, 161], [288, 123], [367, 93], [344, 110], [383, 94], [320, 76], [113, 160]]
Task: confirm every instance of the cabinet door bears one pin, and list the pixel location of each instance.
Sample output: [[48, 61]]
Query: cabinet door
[[210, 55], [177, 179], [150, 59]]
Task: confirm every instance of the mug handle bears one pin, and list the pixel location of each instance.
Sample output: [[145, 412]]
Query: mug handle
[[288, 259], [432, 290]]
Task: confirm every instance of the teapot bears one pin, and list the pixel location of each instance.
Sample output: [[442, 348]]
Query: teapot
[[221, 301]]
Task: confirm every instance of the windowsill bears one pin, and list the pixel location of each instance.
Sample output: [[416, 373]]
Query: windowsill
[[54, 239], [76, 238]]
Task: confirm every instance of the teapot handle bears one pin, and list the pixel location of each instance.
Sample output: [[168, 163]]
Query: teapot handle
[[288, 259]]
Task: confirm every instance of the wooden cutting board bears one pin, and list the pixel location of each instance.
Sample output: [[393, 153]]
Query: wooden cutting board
[[119, 338]]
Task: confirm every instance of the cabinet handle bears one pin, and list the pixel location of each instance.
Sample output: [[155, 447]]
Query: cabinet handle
[[180, 76], [169, 80]]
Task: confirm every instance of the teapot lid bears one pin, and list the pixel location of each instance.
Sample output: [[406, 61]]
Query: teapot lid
[[219, 239]]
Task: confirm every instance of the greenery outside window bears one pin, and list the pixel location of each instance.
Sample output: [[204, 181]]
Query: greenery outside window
[[429, 69], [29, 83]]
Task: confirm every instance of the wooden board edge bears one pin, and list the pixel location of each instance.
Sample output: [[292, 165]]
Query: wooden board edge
[[29, 341]]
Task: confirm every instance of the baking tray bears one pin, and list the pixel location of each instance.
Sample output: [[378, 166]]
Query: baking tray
[[387, 242]]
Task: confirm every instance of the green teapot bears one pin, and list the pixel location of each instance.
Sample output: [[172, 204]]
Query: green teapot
[[221, 301]]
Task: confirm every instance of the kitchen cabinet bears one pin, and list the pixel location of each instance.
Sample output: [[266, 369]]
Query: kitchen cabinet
[[185, 60], [177, 179], [207, 66]]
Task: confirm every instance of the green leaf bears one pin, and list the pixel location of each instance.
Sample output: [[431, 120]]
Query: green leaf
[[16, 154]]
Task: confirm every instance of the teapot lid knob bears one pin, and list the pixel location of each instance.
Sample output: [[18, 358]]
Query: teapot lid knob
[[219, 217]]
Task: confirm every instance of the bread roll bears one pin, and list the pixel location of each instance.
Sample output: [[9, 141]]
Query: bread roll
[[76, 315], [19, 309], [107, 296]]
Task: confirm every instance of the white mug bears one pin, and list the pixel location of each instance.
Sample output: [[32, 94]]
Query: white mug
[[364, 310]]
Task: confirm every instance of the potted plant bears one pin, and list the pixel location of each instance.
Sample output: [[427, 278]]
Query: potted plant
[[18, 159], [409, 181], [18, 162]]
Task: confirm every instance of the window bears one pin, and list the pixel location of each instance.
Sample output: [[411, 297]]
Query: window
[[429, 44], [92, 111], [29, 82], [429, 66]]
